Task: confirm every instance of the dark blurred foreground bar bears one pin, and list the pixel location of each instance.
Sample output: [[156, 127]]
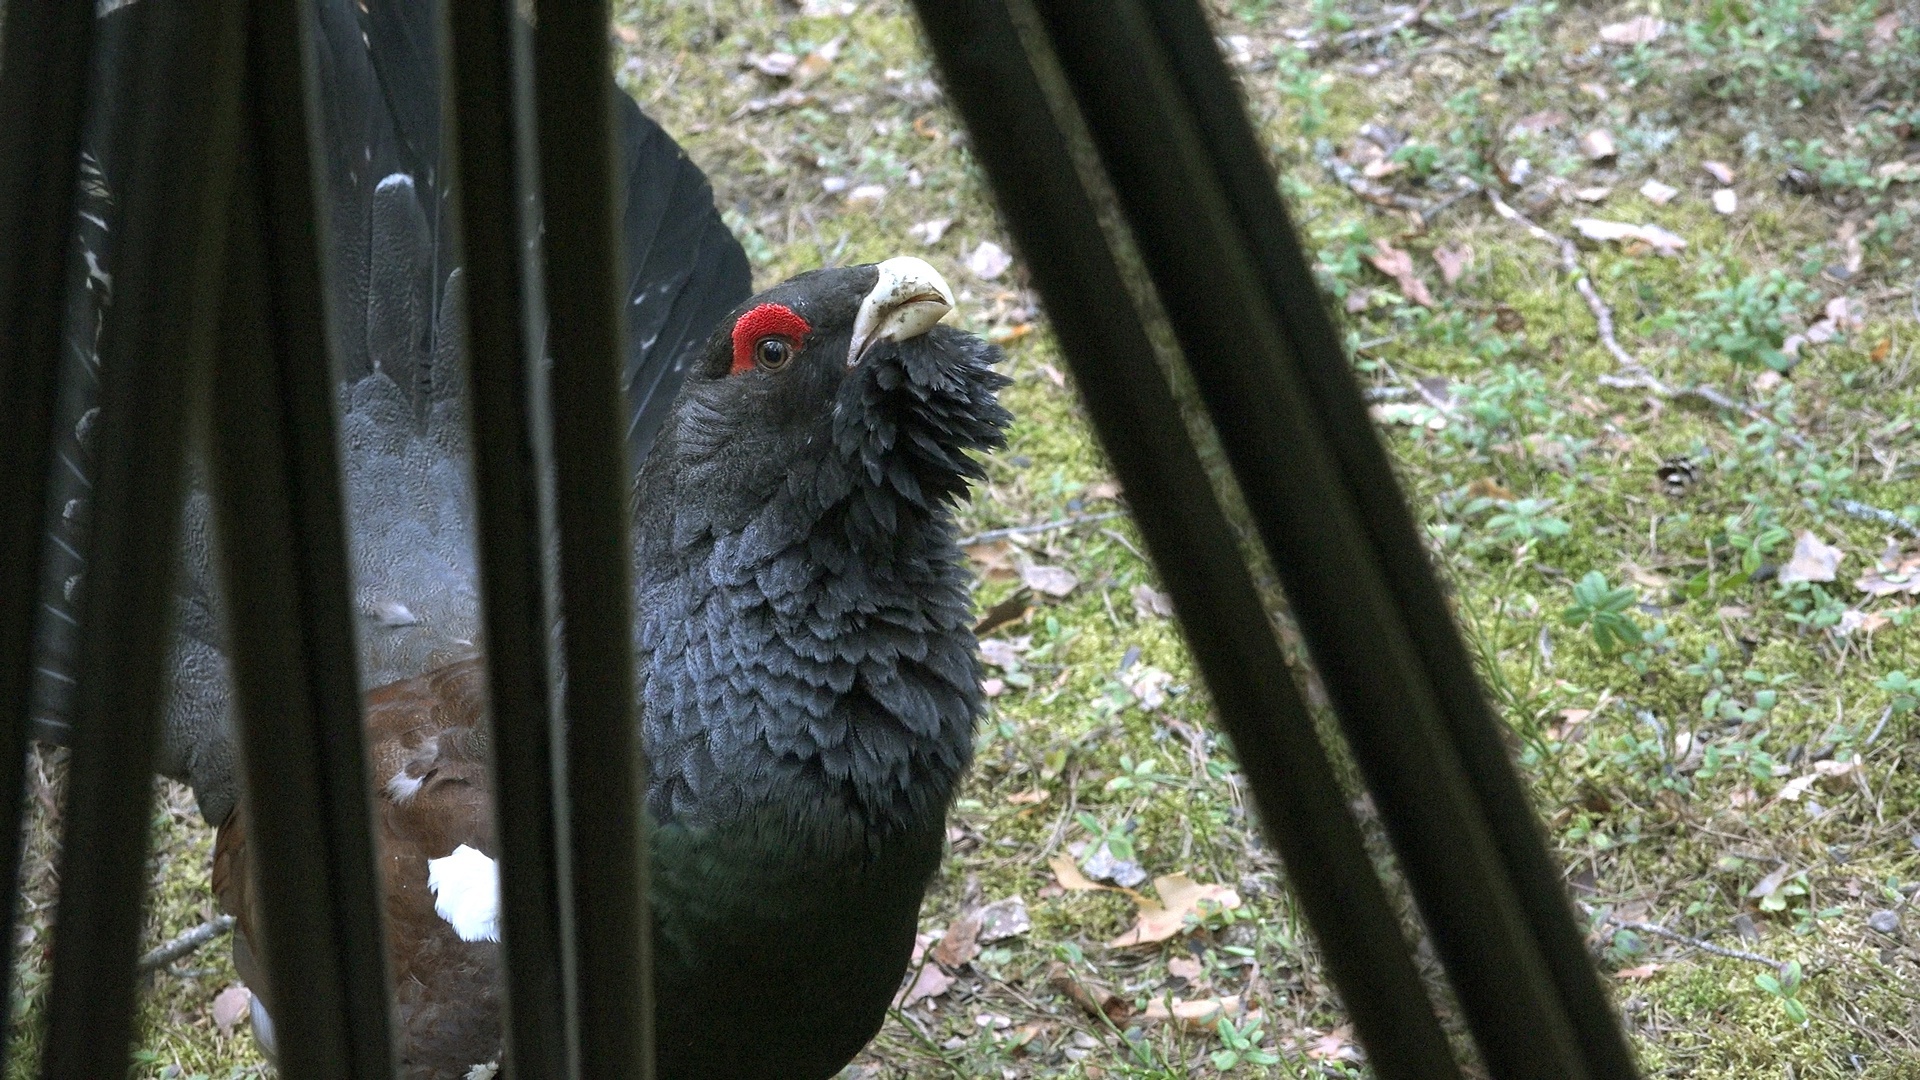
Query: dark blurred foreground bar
[[42, 88], [282, 544], [153, 349], [1204, 211]]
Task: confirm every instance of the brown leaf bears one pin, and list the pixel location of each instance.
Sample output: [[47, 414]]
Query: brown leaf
[[626, 34], [961, 942], [1051, 580], [1598, 145], [1200, 1014], [1011, 610], [1180, 898], [1151, 603], [1452, 261], [1398, 265], [1067, 873], [1719, 170], [1813, 560], [1487, 487], [1002, 653], [1897, 572], [1335, 1045], [931, 982], [1103, 489], [1886, 27], [231, 1006], [818, 62], [1881, 350], [1644, 971], [1638, 31], [1185, 967], [1031, 797], [994, 560], [1657, 193], [1766, 886], [1094, 999], [1542, 121]]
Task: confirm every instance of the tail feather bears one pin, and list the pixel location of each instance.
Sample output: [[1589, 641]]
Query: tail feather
[[395, 306]]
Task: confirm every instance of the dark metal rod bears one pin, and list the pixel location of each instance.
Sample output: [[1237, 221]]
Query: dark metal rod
[[488, 127], [283, 558], [606, 772], [1236, 343], [43, 75], [993, 84], [1327, 380], [153, 350]]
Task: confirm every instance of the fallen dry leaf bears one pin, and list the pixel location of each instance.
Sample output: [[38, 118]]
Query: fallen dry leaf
[[1797, 787], [1644, 971], [1001, 653], [1151, 603], [1398, 265], [1185, 967], [1770, 884], [1033, 797], [1886, 27], [1897, 572], [230, 1006], [818, 62], [1103, 489], [931, 982], [1592, 194], [930, 231], [1011, 610], [1881, 349], [1725, 201], [1180, 898], [1855, 621], [1051, 580], [1598, 145], [1660, 240], [1719, 170], [1197, 1015], [1003, 919], [1813, 560], [1657, 193], [994, 560], [960, 944], [1487, 487], [777, 65], [1542, 121], [1898, 172], [1148, 685], [1067, 874], [1453, 261], [989, 260], [1335, 1045], [1095, 999], [1638, 31]]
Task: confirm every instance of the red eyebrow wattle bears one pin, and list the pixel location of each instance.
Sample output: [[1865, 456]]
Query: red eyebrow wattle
[[764, 321]]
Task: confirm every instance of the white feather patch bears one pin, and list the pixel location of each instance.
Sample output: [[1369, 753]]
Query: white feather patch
[[402, 788], [466, 893]]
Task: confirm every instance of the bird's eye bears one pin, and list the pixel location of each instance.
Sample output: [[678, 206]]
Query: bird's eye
[[773, 353]]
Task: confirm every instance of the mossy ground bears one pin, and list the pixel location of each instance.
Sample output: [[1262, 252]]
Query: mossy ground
[[1661, 765]]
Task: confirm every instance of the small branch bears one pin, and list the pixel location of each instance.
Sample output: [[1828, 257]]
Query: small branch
[[186, 943], [1029, 530], [1873, 513], [1704, 946], [1635, 374], [1372, 33]]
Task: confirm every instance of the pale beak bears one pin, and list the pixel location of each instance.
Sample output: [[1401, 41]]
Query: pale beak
[[907, 301]]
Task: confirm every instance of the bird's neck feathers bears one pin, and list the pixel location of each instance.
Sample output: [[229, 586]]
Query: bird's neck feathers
[[805, 639]]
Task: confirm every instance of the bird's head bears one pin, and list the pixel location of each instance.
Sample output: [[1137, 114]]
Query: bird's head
[[834, 380]]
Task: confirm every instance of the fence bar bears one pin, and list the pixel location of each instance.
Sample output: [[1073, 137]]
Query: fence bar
[[997, 92], [1247, 361], [283, 558], [1326, 379], [43, 75], [489, 129], [153, 351], [605, 770]]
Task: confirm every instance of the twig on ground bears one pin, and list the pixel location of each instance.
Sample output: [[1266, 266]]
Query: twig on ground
[[926, 1040], [1635, 375], [1704, 946], [1363, 35], [1045, 526], [1873, 513], [186, 943]]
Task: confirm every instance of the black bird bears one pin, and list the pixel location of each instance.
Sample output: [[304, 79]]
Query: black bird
[[806, 666]]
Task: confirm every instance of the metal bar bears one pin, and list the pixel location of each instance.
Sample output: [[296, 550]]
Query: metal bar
[[153, 351], [283, 558], [993, 84], [1237, 345], [43, 75], [605, 767], [489, 128], [1327, 381]]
